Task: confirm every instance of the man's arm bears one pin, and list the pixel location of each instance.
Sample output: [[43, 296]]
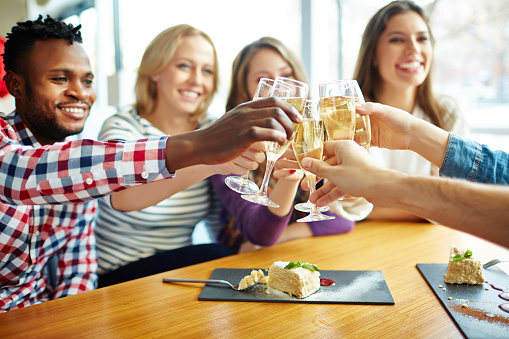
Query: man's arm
[[455, 156], [479, 209], [83, 170], [268, 119]]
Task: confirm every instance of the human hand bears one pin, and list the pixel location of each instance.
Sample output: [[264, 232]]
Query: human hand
[[350, 170], [390, 127], [248, 161], [328, 159], [267, 119], [287, 168], [396, 129]]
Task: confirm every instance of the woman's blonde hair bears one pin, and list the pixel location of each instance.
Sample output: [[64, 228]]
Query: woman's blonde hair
[[238, 87], [156, 57], [368, 76]]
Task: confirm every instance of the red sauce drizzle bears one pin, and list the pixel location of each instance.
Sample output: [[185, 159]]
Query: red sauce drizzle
[[326, 282], [504, 307], [498, 287], [504, 296]]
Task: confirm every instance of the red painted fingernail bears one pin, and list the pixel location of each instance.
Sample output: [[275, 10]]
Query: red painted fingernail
[[292, 171]]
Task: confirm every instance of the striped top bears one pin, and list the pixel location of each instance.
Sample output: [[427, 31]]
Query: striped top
[[125, 237]]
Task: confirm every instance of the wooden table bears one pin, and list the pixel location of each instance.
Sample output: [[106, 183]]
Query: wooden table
[[149, 308]]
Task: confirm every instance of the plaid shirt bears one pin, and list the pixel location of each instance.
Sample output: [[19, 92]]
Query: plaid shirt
[[47, 206]]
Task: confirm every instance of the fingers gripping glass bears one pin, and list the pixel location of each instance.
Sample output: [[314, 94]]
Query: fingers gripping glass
[[295, 93], [362, 134], [308, 142]]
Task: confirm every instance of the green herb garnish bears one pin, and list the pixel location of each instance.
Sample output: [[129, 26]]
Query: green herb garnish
[[293, 264], [460, 256]]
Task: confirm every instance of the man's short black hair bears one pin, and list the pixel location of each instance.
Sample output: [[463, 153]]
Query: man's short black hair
[[23, 36]]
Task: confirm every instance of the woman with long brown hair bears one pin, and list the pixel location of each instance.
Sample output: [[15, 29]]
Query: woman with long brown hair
[[248, 225], [394, 68]]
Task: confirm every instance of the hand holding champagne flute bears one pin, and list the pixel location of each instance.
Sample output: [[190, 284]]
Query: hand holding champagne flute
[[337, 105], [308, 142], [295, 93]]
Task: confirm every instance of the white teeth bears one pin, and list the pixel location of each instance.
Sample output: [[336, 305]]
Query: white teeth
[[413, 64], [72, 109], [192, 95]]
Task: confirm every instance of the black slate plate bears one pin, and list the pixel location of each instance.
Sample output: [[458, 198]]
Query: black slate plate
[[351, 287], [482, 318]]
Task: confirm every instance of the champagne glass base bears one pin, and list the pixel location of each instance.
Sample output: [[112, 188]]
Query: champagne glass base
[[260, 199], [306, 207], [241, 185], [316, 216]]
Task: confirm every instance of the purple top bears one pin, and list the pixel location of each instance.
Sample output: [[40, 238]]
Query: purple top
[[262, 227]]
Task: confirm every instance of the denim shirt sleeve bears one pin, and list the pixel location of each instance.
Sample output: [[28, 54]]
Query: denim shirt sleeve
[[467, 159]]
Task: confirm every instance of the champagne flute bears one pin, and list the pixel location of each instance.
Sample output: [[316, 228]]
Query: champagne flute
[[242, 184], [306, 206], [308, 142], [295, 93], [362, 134], [337, 105]]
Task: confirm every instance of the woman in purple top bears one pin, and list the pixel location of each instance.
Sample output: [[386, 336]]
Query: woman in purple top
[[248, 225]]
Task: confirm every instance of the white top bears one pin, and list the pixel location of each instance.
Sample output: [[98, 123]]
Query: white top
[[124, 237]]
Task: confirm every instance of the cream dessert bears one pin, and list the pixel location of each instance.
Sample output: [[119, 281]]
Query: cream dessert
[[463, 268], [251, 279], [298, 281]]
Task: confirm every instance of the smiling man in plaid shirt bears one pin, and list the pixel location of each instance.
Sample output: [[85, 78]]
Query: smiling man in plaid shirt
[[48, 185]]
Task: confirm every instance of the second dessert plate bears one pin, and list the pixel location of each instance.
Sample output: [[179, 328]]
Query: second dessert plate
[[476, 309]]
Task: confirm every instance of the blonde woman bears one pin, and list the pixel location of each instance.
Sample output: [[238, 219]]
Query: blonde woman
[[147, 230]]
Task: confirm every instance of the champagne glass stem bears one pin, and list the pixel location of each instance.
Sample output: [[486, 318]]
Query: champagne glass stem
[[312, 181], [244, 179], [266, 178]]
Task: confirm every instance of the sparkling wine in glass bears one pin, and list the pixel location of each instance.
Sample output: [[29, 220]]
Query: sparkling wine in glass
[[362, 134], [337, 106], [308, 142], [295, 93]]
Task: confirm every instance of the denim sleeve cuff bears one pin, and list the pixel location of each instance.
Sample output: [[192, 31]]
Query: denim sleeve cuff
[[462, 158]]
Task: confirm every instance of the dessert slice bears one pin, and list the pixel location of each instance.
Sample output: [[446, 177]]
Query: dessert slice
[[251, 279], [463, 268], [297, 281]]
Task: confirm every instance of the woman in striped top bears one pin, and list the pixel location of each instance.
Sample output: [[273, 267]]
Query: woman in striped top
[[147, 229]]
